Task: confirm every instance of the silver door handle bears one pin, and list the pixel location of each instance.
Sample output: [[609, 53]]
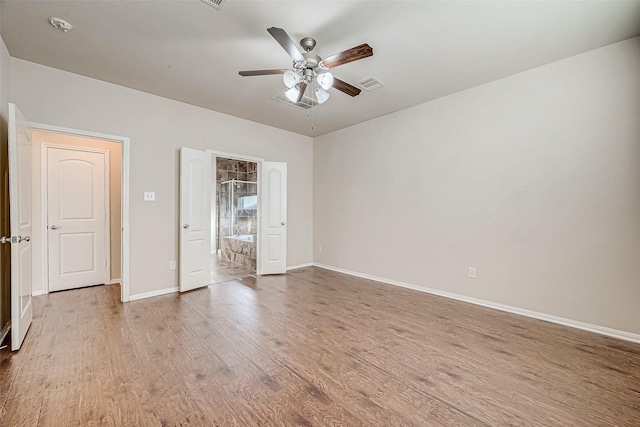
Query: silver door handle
[[282, 223], [4, 239], [54, 227], [25, 238], [185, 226]]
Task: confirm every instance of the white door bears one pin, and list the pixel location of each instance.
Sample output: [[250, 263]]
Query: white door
[[195, 219], [273, 211], [76, 218], [20, 222]]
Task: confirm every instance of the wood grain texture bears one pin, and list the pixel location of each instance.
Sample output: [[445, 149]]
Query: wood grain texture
[[310, 348], [345, 87], [355, 53]]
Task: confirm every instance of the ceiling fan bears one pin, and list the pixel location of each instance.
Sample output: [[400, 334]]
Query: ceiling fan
[[309, 67]]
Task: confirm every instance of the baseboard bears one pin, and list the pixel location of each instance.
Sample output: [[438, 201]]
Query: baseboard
[[602, 330], [38, 293], [153, 293], [293, 267], [114, 281]]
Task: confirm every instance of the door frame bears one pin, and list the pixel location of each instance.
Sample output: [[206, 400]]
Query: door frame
[[259, 161], [44, 206], [126, 162]]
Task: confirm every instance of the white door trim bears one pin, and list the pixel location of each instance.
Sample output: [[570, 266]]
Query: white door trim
[[234, 156], [259, 161], [126, 161], [44, 204]]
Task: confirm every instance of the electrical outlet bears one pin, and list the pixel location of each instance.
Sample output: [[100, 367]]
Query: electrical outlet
[[172, 265], [149, 196], [319, 248], [472, 272]]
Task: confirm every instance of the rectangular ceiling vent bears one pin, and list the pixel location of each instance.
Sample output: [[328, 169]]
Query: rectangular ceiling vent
[[306, 103], [370, 83], [216, 4]]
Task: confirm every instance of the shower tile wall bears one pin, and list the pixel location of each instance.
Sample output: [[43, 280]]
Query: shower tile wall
[[226, 170]]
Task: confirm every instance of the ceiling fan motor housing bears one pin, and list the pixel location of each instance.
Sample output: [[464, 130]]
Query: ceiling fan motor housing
[[308, 43]]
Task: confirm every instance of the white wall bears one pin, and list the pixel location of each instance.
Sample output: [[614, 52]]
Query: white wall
[[157, 128], [115, 197], [533, 179]]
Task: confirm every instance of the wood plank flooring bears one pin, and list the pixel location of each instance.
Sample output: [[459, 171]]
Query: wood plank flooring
[[311, 348], [223, 271]]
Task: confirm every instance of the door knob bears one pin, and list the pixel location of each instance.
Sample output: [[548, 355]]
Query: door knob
[[282, 223], [25, 238], [185, 226], [54, 227]]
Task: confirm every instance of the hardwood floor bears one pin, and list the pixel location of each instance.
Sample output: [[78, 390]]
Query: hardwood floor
[[223, 271], [312, 348]]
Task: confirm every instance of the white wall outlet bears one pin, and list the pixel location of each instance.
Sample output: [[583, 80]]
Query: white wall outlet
[[472, 272], [149, 196], [319, 248], [172, 265]]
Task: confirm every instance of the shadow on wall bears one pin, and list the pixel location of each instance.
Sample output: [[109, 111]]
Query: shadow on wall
[[5, 250]]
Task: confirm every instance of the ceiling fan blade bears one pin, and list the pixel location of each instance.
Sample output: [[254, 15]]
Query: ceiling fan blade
[[285, 41], [303, 87], [261, 72], [344, 57], [345, 87]]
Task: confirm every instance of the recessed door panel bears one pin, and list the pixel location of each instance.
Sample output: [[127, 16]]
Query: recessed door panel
[[196, 264], [273, 247], [25, 277], [197, 184], [77, 253], [274, 182], [76, 189]]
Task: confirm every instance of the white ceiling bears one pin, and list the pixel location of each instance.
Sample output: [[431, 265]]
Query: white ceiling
[[191, 52]]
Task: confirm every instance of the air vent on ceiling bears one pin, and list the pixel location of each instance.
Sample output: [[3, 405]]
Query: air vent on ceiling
[[370, 83], [306, 103], [217, 4]]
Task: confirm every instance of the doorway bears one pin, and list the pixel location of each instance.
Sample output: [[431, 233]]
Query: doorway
[[199, 216], [86, 270], [234, 219]]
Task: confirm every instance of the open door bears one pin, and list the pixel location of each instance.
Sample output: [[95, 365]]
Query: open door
[[273, 211], [195, 219], [21, 224]]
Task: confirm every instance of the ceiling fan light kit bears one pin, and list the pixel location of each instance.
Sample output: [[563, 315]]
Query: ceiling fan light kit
[[310, 69], [325, 80], [292, 94]]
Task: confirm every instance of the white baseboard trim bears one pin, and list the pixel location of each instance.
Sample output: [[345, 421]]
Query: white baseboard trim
[[153, 293], [602, 330], [114, 281], [38, 293], [293, 267]]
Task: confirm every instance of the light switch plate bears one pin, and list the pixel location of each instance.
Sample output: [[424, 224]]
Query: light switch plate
[[149, 196]]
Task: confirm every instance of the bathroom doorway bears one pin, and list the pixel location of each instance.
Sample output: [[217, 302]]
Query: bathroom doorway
[[234, 219]]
